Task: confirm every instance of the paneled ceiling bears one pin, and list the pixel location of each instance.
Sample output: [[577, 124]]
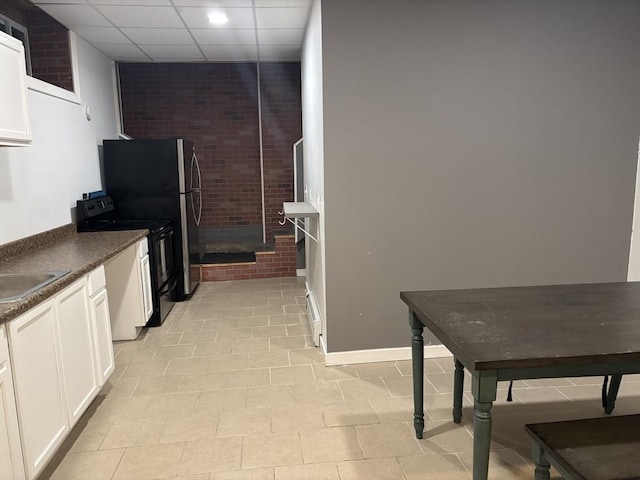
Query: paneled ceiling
[[180, 31]]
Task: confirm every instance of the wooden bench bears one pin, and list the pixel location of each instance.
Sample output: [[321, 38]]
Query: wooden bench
[[606, 448]]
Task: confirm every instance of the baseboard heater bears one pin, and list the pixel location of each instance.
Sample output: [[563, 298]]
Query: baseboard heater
[[314, 318]]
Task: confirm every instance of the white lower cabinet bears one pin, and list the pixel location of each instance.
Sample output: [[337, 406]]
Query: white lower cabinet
[[61, 355], [36, 365], [77, 349], [129, 283], [11, 464], [99, 308]]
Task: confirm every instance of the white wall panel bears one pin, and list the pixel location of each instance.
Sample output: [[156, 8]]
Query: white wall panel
[[40, 184]]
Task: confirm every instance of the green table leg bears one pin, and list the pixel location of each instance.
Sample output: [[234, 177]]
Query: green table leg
[[417, 360], [484, 387], [542, 464], [458, 387]]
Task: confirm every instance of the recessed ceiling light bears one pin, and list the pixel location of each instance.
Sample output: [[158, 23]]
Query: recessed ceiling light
[[218, 18]]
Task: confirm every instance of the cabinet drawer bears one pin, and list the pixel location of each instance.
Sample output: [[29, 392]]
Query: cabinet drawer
[[96, 281]]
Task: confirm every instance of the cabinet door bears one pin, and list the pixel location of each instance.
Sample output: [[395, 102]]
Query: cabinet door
[[123, 277], [14, 121], [35, 364], [104, 345], [145, 273], [77, 347], [11, 465]]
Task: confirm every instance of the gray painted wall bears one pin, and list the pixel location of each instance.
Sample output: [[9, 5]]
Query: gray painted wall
[[472, 144]]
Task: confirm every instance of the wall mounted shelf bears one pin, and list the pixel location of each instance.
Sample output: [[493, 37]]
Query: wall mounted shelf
[[296, 212]]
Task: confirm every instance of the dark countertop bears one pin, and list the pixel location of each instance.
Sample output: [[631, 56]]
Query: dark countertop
[[59, 250]]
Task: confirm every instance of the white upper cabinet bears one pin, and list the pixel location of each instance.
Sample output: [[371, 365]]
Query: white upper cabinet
[[14, 121]]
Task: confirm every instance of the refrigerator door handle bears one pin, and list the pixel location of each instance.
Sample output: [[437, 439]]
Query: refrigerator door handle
[[194, 163], [197, 215], [196, 189]]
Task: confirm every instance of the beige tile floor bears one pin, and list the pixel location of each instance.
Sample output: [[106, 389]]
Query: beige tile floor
[[231, 388]]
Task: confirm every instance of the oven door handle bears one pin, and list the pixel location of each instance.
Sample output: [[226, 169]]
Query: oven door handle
[[166, 290], [165, 235]]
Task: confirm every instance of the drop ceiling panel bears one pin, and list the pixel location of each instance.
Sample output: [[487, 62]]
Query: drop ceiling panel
[[279, 53], [280, 36], [118, 27], [144, 16], [196, 17], [122, 52], [215, 36], [158, 36], [166, 3], [171, 52], [102, 35], [72, 16], [229, 53], [280, 17], [212, 3], [38, 2], [282, 3]]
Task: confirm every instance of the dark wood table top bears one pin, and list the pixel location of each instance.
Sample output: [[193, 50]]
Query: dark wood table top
[[530, 327], [595, 448]]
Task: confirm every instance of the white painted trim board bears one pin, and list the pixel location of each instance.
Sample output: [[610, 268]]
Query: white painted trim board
[[379, 354]]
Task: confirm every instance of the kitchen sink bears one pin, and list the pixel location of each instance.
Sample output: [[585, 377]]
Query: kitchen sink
[[16, 286]]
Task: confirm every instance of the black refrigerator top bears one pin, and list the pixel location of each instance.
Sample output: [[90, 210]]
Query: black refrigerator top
[[146, 177]]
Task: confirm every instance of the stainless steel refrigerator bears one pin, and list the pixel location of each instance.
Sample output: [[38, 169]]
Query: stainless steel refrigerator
[[159, 179]]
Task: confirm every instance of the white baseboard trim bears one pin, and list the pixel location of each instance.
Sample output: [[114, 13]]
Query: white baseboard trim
[[323, 347], [380, 354]]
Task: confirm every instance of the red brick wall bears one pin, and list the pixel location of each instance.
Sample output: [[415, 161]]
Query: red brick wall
[[279, 263], [48, 42], [281, 128], [16, 11], [215, 105]]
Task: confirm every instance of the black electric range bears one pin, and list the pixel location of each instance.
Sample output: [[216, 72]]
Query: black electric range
[[99, 215]]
